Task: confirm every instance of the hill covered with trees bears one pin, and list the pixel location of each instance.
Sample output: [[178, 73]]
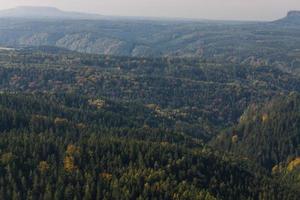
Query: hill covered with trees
[[256, 42], [199, 97], [53, 149], [268, 133], [203, 110]]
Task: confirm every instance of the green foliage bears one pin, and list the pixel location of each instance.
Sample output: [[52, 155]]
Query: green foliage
[[267, 133], [192, 96], [63, 161], [78, 126]]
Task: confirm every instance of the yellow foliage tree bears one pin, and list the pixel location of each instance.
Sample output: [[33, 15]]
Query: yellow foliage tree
[[277, 169], [7, 158], [72, 150], [294, 164], [69, 164], [60, 121], [106, 176], [234, 139], [81, 126], [43, 167], [265, 118], [98, 103]]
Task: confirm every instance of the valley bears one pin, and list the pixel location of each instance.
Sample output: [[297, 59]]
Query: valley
[[93, 107]]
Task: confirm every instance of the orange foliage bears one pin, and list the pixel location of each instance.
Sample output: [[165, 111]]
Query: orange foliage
[[69, 161], [277, 169], [294, 164], [43, 167], [106, 176], [72, 150], [69, 164], [7, 158]]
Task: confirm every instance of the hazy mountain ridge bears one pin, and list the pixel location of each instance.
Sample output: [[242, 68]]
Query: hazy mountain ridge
[[248, 42], [292, 18], [294, 13], [44, 13]]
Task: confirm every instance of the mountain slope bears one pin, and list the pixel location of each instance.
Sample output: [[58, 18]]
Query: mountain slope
[[251, 43], [47, 153], [292, 18], [198, 97], [268, 134]]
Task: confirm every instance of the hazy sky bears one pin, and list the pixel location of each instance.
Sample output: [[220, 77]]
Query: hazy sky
[[207, 9]]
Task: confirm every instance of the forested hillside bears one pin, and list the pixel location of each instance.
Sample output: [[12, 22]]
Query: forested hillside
[[255, 43], [149, 109], [100, 127], [198, 96], [53, 149], [268, 133]]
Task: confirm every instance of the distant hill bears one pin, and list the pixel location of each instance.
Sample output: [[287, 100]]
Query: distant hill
[[294, 13], [44, 13], [293, 17], [255, 43]]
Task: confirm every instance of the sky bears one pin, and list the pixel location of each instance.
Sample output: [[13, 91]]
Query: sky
[[198, 9]]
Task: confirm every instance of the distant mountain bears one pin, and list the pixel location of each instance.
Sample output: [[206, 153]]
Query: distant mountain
[[294, 14], [44, 13], [293, 17], [248, 43]]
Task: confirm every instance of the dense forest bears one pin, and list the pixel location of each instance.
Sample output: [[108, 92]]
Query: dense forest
[[215, 114], [273, 129], [77, 126]]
